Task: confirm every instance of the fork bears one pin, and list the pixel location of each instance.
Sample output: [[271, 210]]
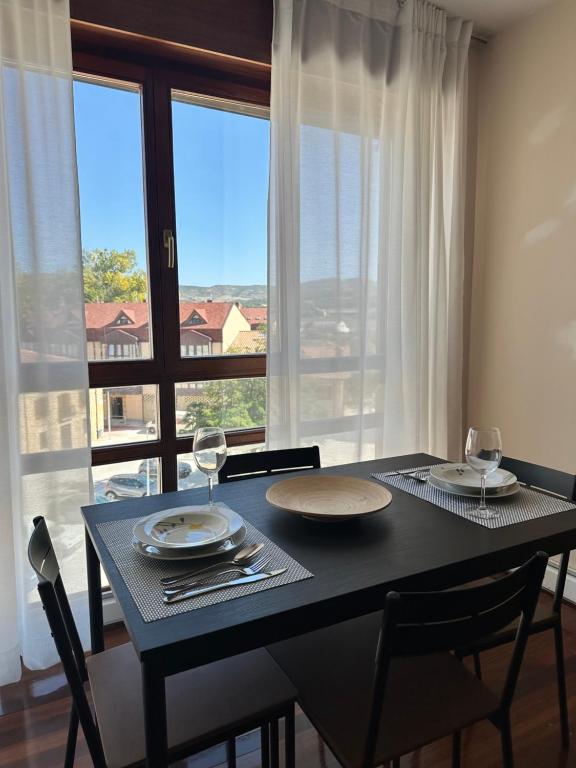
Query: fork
[[247, 570], [244, 556], [414, 474]]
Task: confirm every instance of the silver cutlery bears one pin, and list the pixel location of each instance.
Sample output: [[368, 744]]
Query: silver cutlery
[[248, 570], [413, 474], [214, 587], [242, 557]]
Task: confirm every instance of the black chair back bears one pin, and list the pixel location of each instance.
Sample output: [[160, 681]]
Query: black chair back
[[64, 631], [554, 481], [245, 465], [542, 478], [423, 623]]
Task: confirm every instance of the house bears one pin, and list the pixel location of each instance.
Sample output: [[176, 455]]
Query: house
[[122, 330]]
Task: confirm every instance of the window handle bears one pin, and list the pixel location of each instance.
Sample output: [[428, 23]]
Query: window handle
[[169, 244]]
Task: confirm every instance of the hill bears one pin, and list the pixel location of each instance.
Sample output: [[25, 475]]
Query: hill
[[247, 295]]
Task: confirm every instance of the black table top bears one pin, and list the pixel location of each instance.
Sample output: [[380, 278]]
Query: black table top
[[411, 545]]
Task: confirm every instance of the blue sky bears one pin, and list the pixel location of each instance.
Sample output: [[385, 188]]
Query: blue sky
[[221, 181]]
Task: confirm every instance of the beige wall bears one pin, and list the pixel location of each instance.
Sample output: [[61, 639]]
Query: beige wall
[[235, 322], [522, 366]]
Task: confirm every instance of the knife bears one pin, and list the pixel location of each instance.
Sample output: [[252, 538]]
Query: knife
[[214, 587]]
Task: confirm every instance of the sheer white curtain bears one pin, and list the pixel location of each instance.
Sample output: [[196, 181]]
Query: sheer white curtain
[[366, 244], [44, 454]]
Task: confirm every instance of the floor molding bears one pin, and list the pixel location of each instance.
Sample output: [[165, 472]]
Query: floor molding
[[550, 583]]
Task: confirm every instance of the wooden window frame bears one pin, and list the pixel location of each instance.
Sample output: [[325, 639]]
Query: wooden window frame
[[158, 68]]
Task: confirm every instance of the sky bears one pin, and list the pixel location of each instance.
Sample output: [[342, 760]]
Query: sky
[[221, 184]]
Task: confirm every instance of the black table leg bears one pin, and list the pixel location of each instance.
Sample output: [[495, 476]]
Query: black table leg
[[154, 692], [94, 597]]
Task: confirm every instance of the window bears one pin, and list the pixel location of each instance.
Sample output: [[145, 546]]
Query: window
[[110, 151], [221, 190], [173, 175], [41, 408], [64, 406]]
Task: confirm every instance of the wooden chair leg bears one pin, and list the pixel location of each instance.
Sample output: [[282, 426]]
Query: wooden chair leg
[[274, 745], [290, 739], [506, 739], [456, 749], [71, 740], [231, 753], [477, 665], [561, 678], [265, 745]]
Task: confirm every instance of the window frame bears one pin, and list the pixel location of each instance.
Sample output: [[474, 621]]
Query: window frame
[[205, 75]]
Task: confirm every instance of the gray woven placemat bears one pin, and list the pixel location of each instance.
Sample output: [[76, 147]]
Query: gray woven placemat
[[142, 575], [527, 504]]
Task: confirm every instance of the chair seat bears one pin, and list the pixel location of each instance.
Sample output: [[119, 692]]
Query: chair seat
[[427, 697], [204, 705]]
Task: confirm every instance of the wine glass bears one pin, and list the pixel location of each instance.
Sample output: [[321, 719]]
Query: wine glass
[[210, 454], [483, 454]]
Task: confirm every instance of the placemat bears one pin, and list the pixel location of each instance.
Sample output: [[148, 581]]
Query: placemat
[[142, 575], [527, 504]]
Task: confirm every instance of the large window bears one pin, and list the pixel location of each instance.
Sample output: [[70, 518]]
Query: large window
[[221, 190], [173, 176], [109, 149]]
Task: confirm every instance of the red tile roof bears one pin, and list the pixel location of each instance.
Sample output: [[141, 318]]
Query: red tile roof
[[247, 342], [214, 313], [101, 315], [102, 318], [255, 315]]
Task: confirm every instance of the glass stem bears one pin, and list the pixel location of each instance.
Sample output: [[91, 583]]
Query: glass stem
[[210, 496], [482, 491]]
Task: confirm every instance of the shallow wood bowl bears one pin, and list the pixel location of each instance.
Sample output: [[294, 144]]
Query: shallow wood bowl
[[328, 497]]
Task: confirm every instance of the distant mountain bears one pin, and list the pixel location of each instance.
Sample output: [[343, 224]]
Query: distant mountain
[[247, 295]]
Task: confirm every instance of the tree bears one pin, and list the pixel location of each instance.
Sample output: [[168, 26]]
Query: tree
[[234, 404], [112, 276]]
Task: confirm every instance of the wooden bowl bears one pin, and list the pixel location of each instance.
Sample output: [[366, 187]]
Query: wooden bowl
[[328, 497]]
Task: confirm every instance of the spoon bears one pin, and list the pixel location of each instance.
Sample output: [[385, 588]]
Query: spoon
[[245, 554]]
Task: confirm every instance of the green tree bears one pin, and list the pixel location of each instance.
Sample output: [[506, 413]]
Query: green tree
[[112, 276], [234, 404]]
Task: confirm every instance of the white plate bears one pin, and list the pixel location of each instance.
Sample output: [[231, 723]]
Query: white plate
[[461, 476], [221, 548], [497, 493], [187, 527]]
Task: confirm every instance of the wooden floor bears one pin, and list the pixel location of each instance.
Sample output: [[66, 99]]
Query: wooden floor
[[34, 715]]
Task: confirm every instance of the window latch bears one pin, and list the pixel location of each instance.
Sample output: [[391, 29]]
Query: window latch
[[169, 245]]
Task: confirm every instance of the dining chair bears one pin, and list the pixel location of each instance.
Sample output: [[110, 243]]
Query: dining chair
[[386, 684], [205, 706], [242, 466], [548, 615]]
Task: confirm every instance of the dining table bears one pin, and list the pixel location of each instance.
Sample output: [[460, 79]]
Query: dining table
[[411, 545]]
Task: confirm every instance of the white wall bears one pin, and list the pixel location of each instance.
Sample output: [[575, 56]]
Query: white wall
[[522, 350]]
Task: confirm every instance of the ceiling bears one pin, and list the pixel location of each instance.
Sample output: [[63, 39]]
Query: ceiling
[[490, 16]]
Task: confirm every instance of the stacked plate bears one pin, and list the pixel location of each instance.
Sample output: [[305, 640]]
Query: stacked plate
[[185, 533], [462, 480]]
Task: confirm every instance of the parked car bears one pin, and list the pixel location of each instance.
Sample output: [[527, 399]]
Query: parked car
[[125, 487], [150, 466]]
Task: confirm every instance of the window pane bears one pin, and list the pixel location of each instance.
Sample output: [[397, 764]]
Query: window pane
[[126, 480], [221, 182], [123, 414], [230, 404], [189, 476], [109, 149]]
